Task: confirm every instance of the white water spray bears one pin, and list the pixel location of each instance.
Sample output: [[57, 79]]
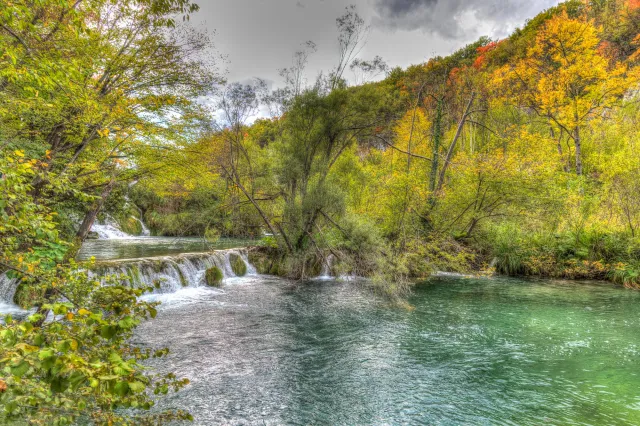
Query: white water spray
[[109, 231], [172, 273], [325, 273], [167, 274]]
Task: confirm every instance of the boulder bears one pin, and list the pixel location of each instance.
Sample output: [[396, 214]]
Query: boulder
[[213, 276]]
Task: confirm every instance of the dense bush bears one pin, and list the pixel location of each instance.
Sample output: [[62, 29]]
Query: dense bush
[[587, 254]]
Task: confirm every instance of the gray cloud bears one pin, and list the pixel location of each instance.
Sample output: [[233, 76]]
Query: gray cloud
[[457, 19], [258, 37]]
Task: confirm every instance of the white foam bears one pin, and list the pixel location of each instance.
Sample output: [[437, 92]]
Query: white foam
[[109, 231], [183, 296], [10, 309]]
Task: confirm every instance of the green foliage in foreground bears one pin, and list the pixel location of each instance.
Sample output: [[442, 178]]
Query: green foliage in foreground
[[71, 361], [78, 366]]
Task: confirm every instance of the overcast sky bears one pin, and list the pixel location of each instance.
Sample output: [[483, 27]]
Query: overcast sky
[[259, 36]]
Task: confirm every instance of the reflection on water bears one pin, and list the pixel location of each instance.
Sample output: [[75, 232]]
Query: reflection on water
[[133, 248], [263, 350]]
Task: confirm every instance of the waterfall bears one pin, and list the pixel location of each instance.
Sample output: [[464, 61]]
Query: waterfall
[[171, 273], [167, 274], [109, 230], [7, 288], [325, 273], [145, 231]]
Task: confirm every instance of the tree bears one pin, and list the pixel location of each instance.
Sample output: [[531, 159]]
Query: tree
[[79, 365], [110, 77], [364, 71], [84, 86], [565, 79], [238, 104]]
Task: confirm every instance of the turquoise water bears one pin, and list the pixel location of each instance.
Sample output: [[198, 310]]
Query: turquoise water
[[139, 247], [262, 350]]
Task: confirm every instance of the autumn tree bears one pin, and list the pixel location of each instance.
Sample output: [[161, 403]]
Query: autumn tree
[[565, 79], [101, 79], [83, 86]]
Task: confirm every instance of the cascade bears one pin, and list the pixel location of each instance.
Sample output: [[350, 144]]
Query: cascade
[[168, 274], [325, 273], [145, 231], [7, 288], [109, 230]]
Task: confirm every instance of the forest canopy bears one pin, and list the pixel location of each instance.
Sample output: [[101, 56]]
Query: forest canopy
[[518, 156]]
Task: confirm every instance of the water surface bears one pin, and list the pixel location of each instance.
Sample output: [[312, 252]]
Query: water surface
[[139, 247], [263, 350]]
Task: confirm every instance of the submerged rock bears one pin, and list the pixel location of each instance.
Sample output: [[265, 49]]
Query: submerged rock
[[213, 276], [93, 235]]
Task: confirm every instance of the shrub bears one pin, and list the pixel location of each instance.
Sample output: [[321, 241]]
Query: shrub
[[627, 275]]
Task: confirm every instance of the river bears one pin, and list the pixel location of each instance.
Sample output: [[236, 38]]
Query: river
[[264, 350]]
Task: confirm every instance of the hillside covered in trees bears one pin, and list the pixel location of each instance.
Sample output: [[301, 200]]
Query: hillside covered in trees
[[518, 156]]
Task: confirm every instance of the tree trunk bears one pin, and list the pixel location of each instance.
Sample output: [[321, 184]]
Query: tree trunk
[[452, 147], [578, 145], [306, 230], [559, 147], [437, 136], [91, 215]]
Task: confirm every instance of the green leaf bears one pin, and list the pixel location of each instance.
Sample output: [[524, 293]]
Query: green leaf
[[20, 369], [136, 386], [108, 331], [121, 388], [109, 377], [59, 384], [46, 353]]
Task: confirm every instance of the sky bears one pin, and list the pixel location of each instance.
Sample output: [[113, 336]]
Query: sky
[[258, 37]]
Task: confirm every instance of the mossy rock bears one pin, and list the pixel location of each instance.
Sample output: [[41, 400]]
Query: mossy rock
[[213, 276], [237, 265], [131, 225], [260, 261], [26, 296], [92, 235], [267, 261]]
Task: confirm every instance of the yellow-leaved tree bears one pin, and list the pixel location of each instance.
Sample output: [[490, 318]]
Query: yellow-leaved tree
[[566, 79]]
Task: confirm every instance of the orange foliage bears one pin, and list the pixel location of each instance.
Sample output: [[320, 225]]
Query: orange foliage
[[636, 42], [482, 51], [608, 50]]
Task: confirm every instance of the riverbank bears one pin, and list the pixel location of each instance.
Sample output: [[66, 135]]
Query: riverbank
[[559, 257]]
